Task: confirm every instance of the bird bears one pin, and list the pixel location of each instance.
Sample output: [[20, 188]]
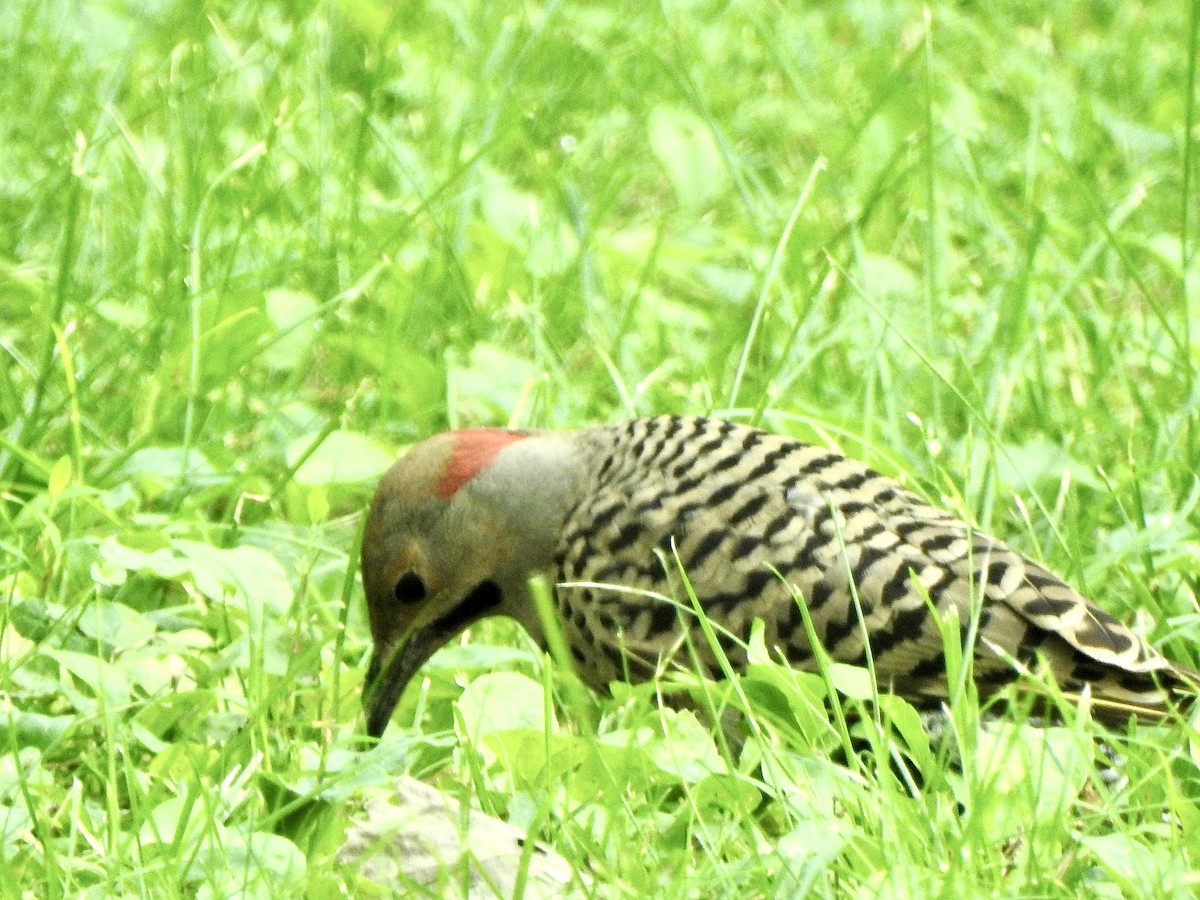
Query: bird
[[622, 520]]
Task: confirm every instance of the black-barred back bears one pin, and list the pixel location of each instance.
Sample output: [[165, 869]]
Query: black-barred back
[[760, 523]]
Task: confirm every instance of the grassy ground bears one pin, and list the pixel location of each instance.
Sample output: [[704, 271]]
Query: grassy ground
[[248, 250]]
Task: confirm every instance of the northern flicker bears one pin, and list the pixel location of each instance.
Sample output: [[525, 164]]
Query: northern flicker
[[759, 523]]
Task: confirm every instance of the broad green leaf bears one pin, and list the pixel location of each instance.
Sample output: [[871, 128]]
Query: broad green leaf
[[60, 477], [117, 559], [154, 669], [1033, 775], [1166, 868], [269, 864], [852, 681], [810, 847], [97, 678], [906, 722], [502, 701], [33, 729], [732, 794], [245, 574], [344, 457], [492, 381], [584, 767], [685, 749], [156, 469], [293, 315], [684, 146], [115, 624], [23, 770]]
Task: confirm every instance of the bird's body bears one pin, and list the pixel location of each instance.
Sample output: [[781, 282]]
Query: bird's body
[[758, 523]]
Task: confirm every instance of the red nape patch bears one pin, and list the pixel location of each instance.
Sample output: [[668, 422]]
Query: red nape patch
[[474, 450]]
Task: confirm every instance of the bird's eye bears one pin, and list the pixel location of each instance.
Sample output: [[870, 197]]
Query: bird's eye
[[410, 588]]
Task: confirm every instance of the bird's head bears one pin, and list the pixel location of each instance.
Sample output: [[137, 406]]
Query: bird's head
[[457, 528]]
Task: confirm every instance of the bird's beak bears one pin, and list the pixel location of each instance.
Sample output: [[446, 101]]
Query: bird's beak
[[394, 664], [392, 668]]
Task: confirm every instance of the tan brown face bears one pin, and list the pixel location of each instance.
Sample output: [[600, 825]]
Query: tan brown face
[[414, 610], [412, 619], [431, 555]]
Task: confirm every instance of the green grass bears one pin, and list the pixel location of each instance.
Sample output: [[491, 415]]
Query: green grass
[[249, 250]]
